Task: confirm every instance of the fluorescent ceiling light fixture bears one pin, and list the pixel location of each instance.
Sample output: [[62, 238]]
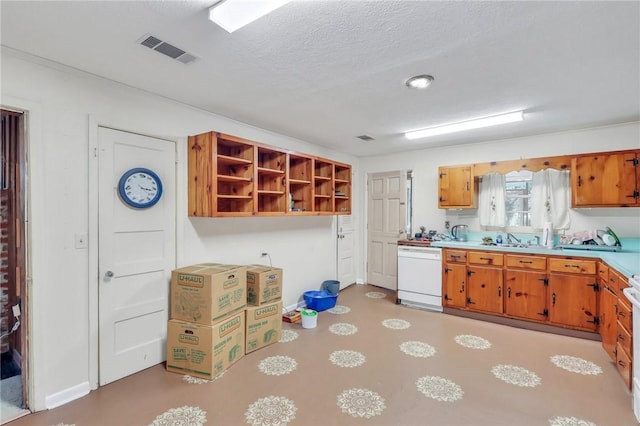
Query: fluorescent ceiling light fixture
[[235, 14], [466, 125]]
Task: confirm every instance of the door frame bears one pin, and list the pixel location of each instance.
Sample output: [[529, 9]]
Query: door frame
[[94, 278]]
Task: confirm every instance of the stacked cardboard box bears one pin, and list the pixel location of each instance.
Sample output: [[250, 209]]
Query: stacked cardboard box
[[206, 332], [264, 313]]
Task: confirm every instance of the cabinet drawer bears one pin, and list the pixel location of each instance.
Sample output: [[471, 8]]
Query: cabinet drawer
[[457, 256], [624, 314], [624, 338], [526, 262], [623, 363], [573, 266], [483, 258]]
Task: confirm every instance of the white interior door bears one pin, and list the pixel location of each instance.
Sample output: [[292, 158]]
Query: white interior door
[[387, 208], [346, 262], [136, 255]]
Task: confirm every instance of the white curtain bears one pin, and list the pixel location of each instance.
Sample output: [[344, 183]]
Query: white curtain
[[491, 200], [550, 199]]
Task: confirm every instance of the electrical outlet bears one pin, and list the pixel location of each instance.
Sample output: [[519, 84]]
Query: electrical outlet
[[446, 224]]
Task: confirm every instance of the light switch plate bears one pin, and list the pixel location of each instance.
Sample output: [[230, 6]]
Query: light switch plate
[[81, 241]]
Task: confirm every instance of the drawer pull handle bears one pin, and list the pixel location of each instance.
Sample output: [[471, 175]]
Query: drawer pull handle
[[486, 258], [525, 261], [620, 338], [572, 266], [622, 364], [622, 314]]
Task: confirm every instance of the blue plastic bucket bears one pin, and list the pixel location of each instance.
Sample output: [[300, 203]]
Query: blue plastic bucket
[[320, 300]]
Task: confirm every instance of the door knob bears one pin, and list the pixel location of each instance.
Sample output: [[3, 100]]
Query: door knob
[[108, 274]]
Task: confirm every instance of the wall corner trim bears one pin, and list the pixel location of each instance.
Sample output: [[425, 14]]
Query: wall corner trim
[[67, 395]]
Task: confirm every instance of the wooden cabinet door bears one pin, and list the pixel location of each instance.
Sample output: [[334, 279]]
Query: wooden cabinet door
[[455, 280], [485, 288], [455, 187], [604, 180], [572, 301], [526, 294], [608, 320]]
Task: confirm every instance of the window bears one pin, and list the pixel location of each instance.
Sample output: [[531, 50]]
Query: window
[[518, 198]]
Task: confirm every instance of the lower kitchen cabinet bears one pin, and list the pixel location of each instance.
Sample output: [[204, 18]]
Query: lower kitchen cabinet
[[572, 301], [454, 281], [485, 288], [526, 294]]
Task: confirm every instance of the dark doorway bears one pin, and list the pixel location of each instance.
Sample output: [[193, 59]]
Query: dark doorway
[[13, 338]]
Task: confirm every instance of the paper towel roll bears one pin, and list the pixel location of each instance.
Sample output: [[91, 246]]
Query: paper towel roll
[[547, 234]]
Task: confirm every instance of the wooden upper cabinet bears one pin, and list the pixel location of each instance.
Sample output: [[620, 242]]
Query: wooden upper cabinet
[[606, 179], [231, 176], [456, 187]]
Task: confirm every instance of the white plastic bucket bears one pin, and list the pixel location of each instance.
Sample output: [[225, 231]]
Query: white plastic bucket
[[309, 318]]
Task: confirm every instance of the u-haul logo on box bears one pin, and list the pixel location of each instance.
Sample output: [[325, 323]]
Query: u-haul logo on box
[[230, 326], [190, 280], [267, 311], [188, 339]]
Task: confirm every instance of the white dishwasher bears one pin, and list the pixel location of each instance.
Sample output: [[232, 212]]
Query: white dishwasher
[[633, 294], [420, 277]]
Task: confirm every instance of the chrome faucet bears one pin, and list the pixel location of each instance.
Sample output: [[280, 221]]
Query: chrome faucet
[[510, 236], [537, 238]]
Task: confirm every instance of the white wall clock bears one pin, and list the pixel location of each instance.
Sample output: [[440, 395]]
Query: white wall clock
[[140, 188]]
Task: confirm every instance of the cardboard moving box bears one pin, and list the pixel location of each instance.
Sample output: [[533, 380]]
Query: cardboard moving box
[[264, 284], [208, 292], [263, 325], [205, 350]]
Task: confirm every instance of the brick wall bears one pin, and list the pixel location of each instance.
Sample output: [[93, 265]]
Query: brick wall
[[4, 268]]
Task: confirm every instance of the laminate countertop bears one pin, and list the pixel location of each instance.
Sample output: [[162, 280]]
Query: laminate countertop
[[626, 261]]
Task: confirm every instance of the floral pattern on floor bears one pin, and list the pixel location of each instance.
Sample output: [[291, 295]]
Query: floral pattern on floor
[[439, 388], [361, 403], [418, 349], [199, 381], [376, 295], [472, 342], [339, 310], [277, 365], [569, 421], [515, 375], [186, 415], [576, 365], [288, 336], [347, 358], [396, 324], [271, 411], [343, 329]]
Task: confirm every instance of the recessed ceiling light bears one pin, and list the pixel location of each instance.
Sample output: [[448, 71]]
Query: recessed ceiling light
[[419, 82]]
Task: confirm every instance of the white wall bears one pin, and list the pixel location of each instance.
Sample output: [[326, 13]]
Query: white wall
[[624, 221], [65, 106]]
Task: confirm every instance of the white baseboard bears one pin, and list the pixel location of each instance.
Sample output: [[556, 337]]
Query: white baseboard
[[295, 306], [67, 395]]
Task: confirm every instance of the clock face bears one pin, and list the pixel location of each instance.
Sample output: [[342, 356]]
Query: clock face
[[140, 188]]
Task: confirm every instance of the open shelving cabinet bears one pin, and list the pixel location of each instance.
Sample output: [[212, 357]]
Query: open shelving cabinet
[[231, 176]]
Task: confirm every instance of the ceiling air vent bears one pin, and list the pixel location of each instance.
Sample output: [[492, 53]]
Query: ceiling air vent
[[365, 138], [167, 49]]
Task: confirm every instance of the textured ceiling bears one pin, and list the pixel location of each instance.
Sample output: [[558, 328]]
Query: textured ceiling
[[328, 71]]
